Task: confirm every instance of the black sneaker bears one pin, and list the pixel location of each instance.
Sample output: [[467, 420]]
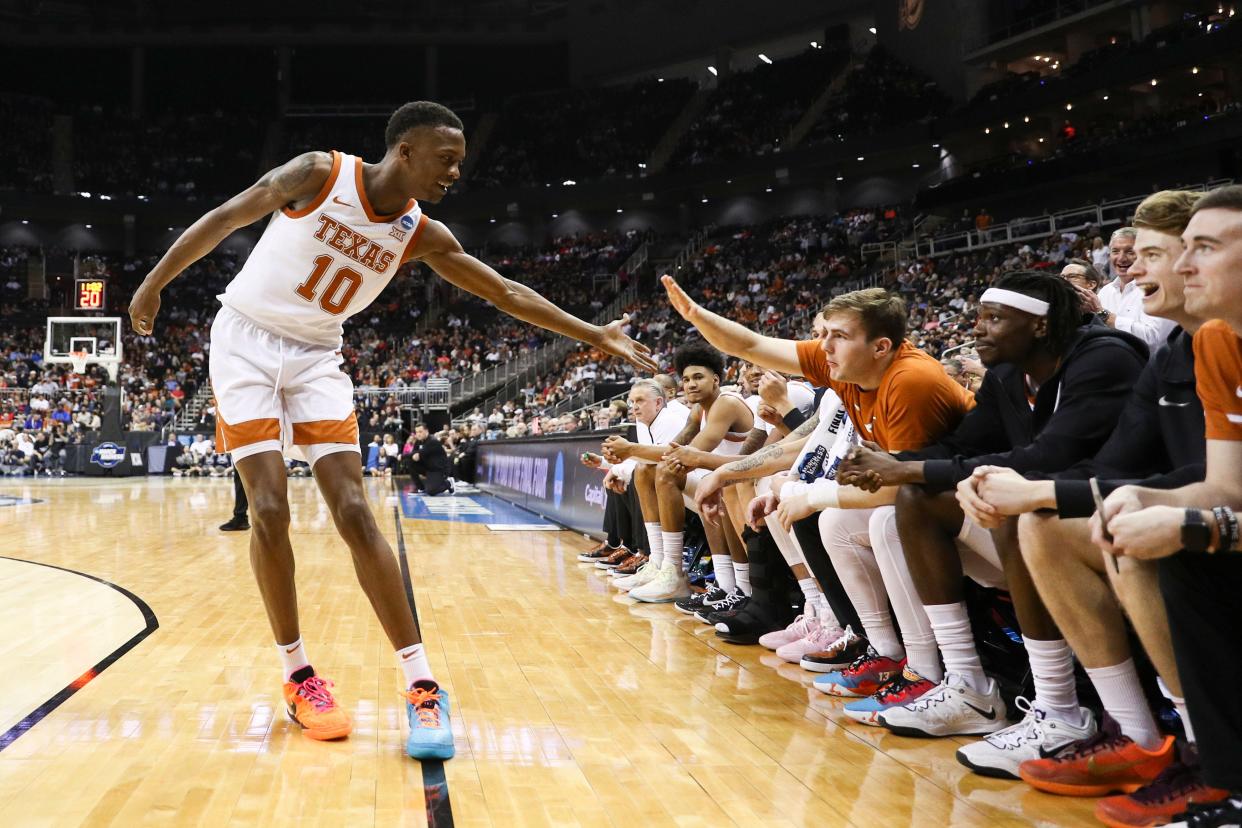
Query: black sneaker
[[691, 604], [842, 654], [745, 626], [732, 602], [1227, 812], [235, 525]]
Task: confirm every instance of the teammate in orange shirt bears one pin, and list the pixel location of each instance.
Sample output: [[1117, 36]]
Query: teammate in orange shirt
[[339, 229]]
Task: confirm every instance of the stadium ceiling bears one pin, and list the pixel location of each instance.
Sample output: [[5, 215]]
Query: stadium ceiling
[[278, 22]]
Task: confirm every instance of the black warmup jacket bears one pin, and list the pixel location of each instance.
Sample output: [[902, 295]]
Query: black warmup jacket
[[1075, 412], [1159, 440]]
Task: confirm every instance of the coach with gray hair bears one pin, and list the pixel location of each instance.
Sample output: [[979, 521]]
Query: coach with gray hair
[[1119, 303]]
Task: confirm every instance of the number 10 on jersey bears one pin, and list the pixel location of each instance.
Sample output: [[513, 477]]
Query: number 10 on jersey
[[340, 290]]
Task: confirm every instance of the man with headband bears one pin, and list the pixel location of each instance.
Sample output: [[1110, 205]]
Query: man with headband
[[1052, 394]]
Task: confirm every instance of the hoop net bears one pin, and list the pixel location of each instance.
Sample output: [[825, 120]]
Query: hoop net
[[78, 360]]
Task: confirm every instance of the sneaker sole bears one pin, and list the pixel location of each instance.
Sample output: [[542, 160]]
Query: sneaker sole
[[320, 735], [984, 770], [1066, 789], [431, 753], [820, 667], [871, 718], [683, 611], [740, 638], [904, 730], [667, 600]]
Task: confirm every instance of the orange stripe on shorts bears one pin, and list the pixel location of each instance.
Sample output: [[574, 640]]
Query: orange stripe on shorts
[[245, 433], [326, 431]]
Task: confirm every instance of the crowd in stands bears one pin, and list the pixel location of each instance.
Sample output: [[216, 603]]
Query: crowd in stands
[[26, 134], [880, 92], [580, 135], [751, 113]]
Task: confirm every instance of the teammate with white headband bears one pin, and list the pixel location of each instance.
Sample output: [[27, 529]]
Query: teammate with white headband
[[1057, 380]]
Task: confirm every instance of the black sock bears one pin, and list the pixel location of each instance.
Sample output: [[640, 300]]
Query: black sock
[[302, 674]]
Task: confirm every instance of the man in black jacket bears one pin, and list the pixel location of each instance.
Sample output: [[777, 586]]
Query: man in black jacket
[[1158, 442], [1052, 394], [429, 463]]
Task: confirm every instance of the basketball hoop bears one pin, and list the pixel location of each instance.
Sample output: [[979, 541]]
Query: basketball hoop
[[78, 360]]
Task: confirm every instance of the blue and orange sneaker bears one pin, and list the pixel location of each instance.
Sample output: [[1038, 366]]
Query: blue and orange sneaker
[[431, 734], [869, 672], [905, 688]]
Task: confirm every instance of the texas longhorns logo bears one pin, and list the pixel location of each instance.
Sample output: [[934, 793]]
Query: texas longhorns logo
[[909, 13]]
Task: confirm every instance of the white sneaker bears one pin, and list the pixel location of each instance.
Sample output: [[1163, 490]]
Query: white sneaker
[[669, 584], [1035, 737], [821, 637], [800, 628], [643, 576], [949, 709]]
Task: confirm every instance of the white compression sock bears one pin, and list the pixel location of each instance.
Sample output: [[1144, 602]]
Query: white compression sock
[[810, 594], [292, 657], [673, 542], [1052, 666], [413, 663], [1123, 699], [951, 626], [743, 577], [722, 565], [1180, 704], [655, 540]]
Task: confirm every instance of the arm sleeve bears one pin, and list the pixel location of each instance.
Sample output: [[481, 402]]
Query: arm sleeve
[[1074, 498], [1093, 389]]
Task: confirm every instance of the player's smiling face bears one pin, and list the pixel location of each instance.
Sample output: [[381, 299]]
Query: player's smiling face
[[1153, 272], [431, 157]]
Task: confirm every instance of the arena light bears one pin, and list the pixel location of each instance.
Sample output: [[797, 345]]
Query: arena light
[[619, 210], [85, 195], [1068, 107], [556, 215], [1037, 57], [89, 226], [1194, 71], [659, 80], [25, 222], [1041, 140], [765, 58], [491, 221], [704, 201], [768, 190], [712, 69], [568, 182], [814, 44], [861, 158], [1154, 81], [1026, 119], [872, 29], [1200, 94], [915, 166], [1006, 125], [105, 198], [1106, 97], [642, 165], [987, 130], [935, 146], [840, 178]]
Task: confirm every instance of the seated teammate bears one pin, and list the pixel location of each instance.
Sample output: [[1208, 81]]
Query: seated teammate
[[719, 422], [1053, 391], [1160, 433]]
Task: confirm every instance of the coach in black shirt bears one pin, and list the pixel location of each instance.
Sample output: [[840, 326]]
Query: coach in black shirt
[[429, 464]]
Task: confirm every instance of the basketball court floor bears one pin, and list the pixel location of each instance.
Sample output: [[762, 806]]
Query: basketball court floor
[[138, 685]]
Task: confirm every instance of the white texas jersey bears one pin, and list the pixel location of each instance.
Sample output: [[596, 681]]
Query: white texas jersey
[[731, 444], [315, 267]]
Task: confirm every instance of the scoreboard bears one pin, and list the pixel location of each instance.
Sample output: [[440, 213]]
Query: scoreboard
[[89, 294]]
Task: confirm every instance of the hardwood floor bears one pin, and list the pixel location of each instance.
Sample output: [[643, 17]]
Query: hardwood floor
[[572, 705]]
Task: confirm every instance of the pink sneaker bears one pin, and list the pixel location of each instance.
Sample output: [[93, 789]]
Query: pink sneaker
[[820, 637], [800, 628]]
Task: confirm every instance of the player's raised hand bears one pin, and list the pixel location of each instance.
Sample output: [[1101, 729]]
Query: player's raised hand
[[143, 309], [616, 342], [681, 301]]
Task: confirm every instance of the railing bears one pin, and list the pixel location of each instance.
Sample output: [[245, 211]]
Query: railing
[[692, 249], [1106, 214], [409, 396]]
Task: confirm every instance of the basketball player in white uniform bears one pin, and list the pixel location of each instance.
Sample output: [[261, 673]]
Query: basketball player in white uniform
[[339, 230], [718, 422]]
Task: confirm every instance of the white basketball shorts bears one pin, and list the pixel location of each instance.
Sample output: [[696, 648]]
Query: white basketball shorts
[[274, 393]]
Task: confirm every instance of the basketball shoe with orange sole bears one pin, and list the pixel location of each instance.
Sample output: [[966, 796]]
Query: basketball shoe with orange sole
[[1108, 762], [310, 703]]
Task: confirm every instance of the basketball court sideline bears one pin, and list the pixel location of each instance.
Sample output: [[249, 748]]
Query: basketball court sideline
[[573, 705]]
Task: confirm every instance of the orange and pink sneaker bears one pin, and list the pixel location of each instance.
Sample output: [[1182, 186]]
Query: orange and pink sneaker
[[310, 703]]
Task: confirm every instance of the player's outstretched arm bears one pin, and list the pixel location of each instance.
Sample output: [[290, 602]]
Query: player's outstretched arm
[[299, 180], [732, 338], [441, 251]]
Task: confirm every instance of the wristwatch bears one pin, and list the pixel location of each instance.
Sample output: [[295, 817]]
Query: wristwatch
[[1102, 316], [1196, 534]]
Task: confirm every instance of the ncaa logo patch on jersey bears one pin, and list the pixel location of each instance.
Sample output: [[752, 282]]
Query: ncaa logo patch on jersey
[[407, 222]]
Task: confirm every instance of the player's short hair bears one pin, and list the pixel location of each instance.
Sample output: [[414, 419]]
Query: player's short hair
[[698, 352], [1065, 313], [1089, 271], [883, 314], [1222, 198], [1127, 232], [1167, 211], [652, 386], [418, 114]]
